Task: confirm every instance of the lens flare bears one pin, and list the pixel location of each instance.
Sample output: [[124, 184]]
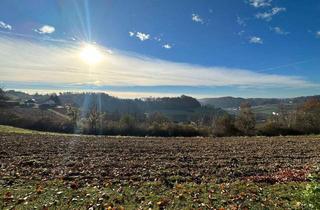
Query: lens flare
[[91, 54]]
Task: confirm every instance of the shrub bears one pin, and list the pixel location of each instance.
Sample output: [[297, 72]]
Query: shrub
[[246, 121], [308, 117], [276, 129], [224, 126]]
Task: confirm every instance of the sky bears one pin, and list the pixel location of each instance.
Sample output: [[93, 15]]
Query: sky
[[141, 48]]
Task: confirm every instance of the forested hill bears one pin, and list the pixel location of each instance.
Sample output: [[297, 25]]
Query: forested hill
[[232, 102], [111, 104], [183, 108]]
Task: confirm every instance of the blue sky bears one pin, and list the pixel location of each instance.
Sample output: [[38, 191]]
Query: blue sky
[[203, 48]]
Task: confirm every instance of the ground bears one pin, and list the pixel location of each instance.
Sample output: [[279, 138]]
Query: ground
[[50, 171]]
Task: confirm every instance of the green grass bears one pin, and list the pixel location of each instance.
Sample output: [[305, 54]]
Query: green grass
[[10, 129], [154, 195], [5, 129], [263, 109], [267, 109]]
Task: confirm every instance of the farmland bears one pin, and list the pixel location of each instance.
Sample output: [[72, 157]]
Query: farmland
[[45, 171]]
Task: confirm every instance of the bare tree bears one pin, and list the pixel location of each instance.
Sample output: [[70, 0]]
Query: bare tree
[[2, 94], [308, 116], [95, 119], [157, 118], [73, 113], [224, 126], [127, 121], [246, 121]]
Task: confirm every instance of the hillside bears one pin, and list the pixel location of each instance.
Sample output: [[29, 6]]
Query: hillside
[[178, 109], [232, 102], [262, 107]]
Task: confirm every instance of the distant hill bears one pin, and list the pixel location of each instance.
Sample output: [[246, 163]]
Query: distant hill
[[262, 107], [232, 102], [178, 109]]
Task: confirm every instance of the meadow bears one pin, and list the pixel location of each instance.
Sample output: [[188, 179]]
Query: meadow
[[53, 171]]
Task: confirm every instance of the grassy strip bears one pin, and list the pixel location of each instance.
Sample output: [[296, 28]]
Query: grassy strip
[[5, 129], [10, 129], [154, 195]]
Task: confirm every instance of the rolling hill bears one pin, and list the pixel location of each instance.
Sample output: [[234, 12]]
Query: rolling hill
[[262, 107]]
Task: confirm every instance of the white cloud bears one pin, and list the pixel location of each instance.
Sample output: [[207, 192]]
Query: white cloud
[[167, 46], [260, 3], [241, 22], [267, 16], [276, 10], [279, 30], [197, 18], [5, 25], [318, 34], [59, 63], [256, 40], [45, 29], [142, 36]]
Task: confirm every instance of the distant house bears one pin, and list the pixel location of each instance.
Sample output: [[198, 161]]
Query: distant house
[[48, 104], [30, 103]]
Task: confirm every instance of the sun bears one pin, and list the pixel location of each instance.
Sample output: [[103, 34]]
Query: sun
[[91, 54]]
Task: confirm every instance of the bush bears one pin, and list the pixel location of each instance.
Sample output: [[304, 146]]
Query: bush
[[246, 120], [275, 129], [308, 117], [49, 124], [224, 126]]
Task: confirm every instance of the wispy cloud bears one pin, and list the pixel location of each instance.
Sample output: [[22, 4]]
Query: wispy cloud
[[267, 16], [240, 33], [241, 21], [196, 18], [259, 3], [60, 63], [318, 34], [255, 40], [144, 36], [158, 39], [45, 29], [279, 30], [4, 25], [167, 46], [140, 35]]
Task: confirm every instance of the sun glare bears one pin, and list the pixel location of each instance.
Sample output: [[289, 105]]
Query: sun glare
[[90, 54]]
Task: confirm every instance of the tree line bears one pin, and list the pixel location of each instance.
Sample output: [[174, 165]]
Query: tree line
[[305, 119], [142, 118]]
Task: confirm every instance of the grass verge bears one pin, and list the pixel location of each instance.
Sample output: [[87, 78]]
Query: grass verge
[[154, 195], [11, 129]]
